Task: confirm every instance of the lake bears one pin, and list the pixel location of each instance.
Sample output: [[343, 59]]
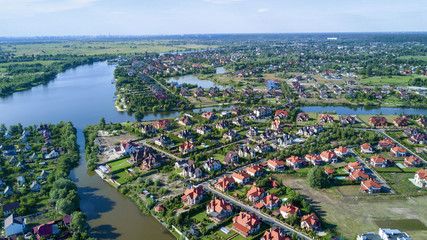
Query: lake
[[83, 95]]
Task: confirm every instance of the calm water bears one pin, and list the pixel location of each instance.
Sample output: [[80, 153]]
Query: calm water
[[83, 95], [194, 80]]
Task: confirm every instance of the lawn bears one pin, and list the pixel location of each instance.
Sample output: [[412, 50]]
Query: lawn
[[118, 165], [399, 182], [201, 217], [351, 212], [394, 80]]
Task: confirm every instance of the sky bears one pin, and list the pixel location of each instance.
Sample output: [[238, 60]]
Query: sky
[[164, 17]]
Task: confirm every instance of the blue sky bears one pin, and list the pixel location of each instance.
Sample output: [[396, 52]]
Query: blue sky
[[155, 17]]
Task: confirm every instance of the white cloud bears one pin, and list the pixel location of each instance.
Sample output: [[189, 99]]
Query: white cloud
[[17, 8], [223, 1], [262, 10]]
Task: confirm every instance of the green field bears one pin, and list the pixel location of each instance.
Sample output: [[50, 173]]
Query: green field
[[94, 47], [423, 58], [395, 80]]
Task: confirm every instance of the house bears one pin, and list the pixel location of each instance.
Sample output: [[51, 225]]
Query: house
[[262, 111], [245, 151], [302, 117], [210, 116], [246, 224], [285, 140], [378, 161], [398, 152], [255, 170], [212, 165], [231, 158], [316, 160], [270, 201], [238, 121], [8, 191], [187, 147], [384, 234], [152, 161], [353, 166], [341, 151], [241, 177], [185, 134], [412, 161], [263, 148], [421, 177], [203, 130], [159, 208], [275, 164], [191, 171], [294, 162], [9, 150], [366, 148], [280, 115], [128, 147], [192, 195], [289, 209], [255, 194], [46, 230], [35, 186], [329, 171], [20, 181], [267, 135], [148, 129], [219, 209], [386, 143], [27, 148], [310, 222], [185, 120], [418, 138], [225, 183], [52, 154], [7, 135], [370, 186], [13, 160], [274, 234], [329, 156], [14, 225], [378, 121], [276, 125], [162, 124], [422, 121], [400, 122], [231, 135], [326, 118], [358, 175], [9, 208], [163, 141], [236, 111], [222, 124], [309, 131], [348, 120], [252, 132]]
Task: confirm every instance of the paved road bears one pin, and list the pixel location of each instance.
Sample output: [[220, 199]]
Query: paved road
[[261, 215], [366, 166]]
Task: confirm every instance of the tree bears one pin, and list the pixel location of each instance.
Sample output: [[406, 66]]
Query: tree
[[317, 178], [138, 116], [78, 222], [65, 206], [101, 124]]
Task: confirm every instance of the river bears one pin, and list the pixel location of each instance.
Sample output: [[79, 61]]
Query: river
[[83, 95]]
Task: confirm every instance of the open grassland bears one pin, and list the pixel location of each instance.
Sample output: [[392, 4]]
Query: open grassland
[[94, 48], [351, 212], [395, 80], [423, 58]]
